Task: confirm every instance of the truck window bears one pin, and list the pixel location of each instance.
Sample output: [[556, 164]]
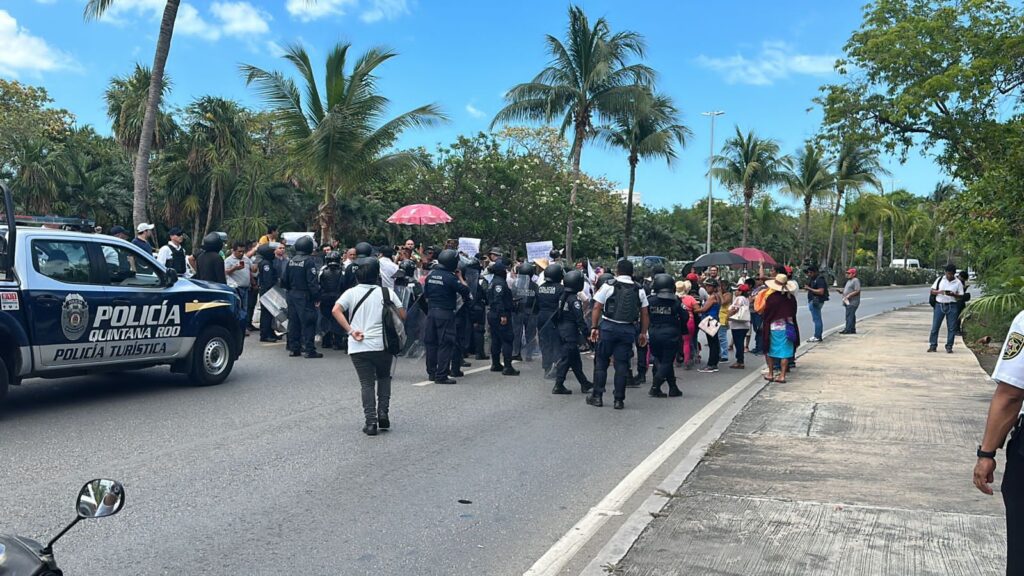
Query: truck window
[[126, 268], [63, 260]]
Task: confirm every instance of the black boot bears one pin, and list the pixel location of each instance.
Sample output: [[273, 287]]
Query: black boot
[[294, 353], [673, 390], [595, 401], [655, 391], [560, 389], [631, 381], [382, 421], [482, 357], [641, 377], [496, 367], [586, 387], [509, 370], [370, 429]]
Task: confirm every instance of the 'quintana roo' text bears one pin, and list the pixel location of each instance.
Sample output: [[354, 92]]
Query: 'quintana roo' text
[[136, 322]]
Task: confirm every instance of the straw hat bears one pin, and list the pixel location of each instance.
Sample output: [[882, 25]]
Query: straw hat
[[781, 283]]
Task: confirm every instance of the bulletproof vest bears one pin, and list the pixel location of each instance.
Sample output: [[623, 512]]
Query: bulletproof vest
[[295, 275], [624, 303], [331, 279], [268, 275], [662, 311], [177, 261], [527, 296], [548, 294], [499, 297]]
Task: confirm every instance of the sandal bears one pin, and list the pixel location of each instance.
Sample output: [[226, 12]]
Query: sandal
[[778, 381], [768, 378]]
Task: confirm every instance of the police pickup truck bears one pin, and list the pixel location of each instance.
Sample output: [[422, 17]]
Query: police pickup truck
[[74, 303]]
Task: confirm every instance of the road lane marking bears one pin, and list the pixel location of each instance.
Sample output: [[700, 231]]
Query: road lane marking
[[467, 372]]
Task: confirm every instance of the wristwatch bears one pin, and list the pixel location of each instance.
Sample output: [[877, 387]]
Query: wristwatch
[[983, 454]]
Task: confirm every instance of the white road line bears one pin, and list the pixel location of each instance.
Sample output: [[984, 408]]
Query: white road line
[[467, 372]]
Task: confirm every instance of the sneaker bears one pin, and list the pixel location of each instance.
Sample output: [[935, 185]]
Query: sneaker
[[814, 339], [932, 349], [708, 369], [949, 350]]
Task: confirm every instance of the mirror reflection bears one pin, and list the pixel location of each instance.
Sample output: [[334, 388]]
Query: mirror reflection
[[100, 498]]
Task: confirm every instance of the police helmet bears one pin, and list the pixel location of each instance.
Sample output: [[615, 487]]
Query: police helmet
[[499, 269], [554, 272], [554, 254], [525, 269], [265, 251], [448, 259], [657, 269], [409, 267], [304, 246], [664, 286], [363, 249], [333, 258], [368, 271], [573, 281], [212, 242], [606, 278]]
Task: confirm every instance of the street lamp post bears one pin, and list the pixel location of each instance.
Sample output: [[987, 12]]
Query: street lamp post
[[707, 249]]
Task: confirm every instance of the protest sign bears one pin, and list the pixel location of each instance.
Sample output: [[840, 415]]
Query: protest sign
[[538, 250]]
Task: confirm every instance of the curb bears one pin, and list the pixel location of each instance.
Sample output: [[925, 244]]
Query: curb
[[623, 540]]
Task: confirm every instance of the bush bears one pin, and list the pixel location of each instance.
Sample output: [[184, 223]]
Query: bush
[[896, 276]]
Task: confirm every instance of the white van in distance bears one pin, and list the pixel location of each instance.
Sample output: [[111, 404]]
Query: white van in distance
[[905, 263]]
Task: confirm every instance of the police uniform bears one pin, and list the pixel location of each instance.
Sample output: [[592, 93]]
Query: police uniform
[[668, 325], [622, 302], [300, 280], [330, 279], [266, 278], [1010, 370], [549, 294], [524, 317], [478, 317], [441, 290], [499, 318], [571, 327]]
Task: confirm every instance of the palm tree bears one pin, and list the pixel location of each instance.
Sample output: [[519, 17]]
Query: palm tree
[[39, 177], [915, 221], [338, 140], [589, 74], [808, 177], [94, 9], [878, 210], [855, 167], [748, 164], [943, 191], [648, 129], [126, 99]]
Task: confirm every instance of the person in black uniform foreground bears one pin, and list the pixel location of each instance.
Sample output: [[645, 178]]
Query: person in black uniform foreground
[[478, 306], [331, 278], [209, 264], [499, 318], [549, 294], [524, 313], [617, 307], [266, 278], [668, 326], [571, 328], [441, 289], [303, 293]]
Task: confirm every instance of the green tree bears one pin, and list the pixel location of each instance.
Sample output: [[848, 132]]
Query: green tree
[[94, 9], [808, 178], [747, 165], [649, 128], [338, 139], [126, 98], [856, 166], [26, 115], [589, 74]]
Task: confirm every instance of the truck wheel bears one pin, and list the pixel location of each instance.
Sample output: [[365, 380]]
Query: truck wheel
[[211, 357]]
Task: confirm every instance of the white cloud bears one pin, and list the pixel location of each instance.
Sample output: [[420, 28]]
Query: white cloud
[[190, 23], [384, 10], [121, 8], [474, 111], [777, 60], [20, 51], [308, 10], [274, 49], [240, 18]]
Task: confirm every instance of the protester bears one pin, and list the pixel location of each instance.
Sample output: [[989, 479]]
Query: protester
[[782, 334], [739, 323], [690, 304], [851, 300], [723, 319], [360, 313], [238, 270], [387, 267], [756, 287], [817, 295], [270, 236], [962, 300], [711, 309], [947, 291]]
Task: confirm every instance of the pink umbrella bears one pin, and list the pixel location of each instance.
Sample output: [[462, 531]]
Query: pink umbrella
[[420, 215], [753, 255]]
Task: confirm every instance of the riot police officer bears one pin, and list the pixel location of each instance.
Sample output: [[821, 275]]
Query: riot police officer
[[331, 278], [524, 313], [441, 290], [499, 318], [668, 326], [363, 250], [303, 292], [571, 328], [267, 277], [548, 295], [478, 307], [617, 307], [209, 263], [415, 306]]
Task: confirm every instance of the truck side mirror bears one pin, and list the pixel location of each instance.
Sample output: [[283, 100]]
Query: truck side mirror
[[172, 276]]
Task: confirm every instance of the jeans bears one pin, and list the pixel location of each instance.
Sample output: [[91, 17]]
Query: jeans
[[755, 325], [374, 371], [851, 317], [739, 336], [942, 312], [723, 343], [616, 341], [815, 308]]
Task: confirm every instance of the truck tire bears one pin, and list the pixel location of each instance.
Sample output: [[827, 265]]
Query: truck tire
[[211, 357]]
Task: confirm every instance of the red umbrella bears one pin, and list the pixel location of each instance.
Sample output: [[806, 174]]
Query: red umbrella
[[420, 215], [753, 255]]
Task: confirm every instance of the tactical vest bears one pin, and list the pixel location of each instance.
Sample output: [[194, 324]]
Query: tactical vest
[[624, 303], [331, 280], [177, 261]]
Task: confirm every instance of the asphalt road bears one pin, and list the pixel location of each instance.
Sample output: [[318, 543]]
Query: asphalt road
[[269, 473]]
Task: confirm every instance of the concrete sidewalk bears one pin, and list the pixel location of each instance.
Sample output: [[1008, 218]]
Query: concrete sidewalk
[[860, 464]]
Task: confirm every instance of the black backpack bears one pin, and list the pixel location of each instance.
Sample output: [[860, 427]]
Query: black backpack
[[931, 297]]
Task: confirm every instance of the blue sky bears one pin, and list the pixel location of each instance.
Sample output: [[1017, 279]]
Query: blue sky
[[762, 67]]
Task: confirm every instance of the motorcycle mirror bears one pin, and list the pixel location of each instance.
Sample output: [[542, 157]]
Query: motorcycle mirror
[[100, 498]]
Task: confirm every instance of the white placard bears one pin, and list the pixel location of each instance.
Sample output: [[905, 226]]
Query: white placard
[[469, 246], [538, 250]]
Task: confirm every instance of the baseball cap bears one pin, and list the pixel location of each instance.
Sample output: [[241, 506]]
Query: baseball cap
[[693, 277], [789, 270], [743, 288], [176, 231], [852, 271], [811, 268], [144, 227], [118, 230]]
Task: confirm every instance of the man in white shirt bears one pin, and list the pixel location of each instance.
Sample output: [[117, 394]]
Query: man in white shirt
[[1004, 414], [171, 255], [617, 308], [947, 291], [238, 270], [387, 267]]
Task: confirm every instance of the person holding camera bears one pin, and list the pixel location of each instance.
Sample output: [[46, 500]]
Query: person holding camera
[[947, 292]]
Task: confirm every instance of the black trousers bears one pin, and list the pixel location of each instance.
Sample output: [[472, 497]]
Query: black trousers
[[616, 342], [439, 337], [266, 323], [374, 371], [478, 319], [664, 347], [1013, 498], [569, 358], [301, 322], [501, 341], [550, 342]]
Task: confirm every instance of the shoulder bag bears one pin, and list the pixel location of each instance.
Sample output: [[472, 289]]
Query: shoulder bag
[[394, 328], [709, 325]]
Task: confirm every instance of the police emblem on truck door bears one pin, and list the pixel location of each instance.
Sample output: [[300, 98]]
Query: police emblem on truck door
[[74, 316]]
